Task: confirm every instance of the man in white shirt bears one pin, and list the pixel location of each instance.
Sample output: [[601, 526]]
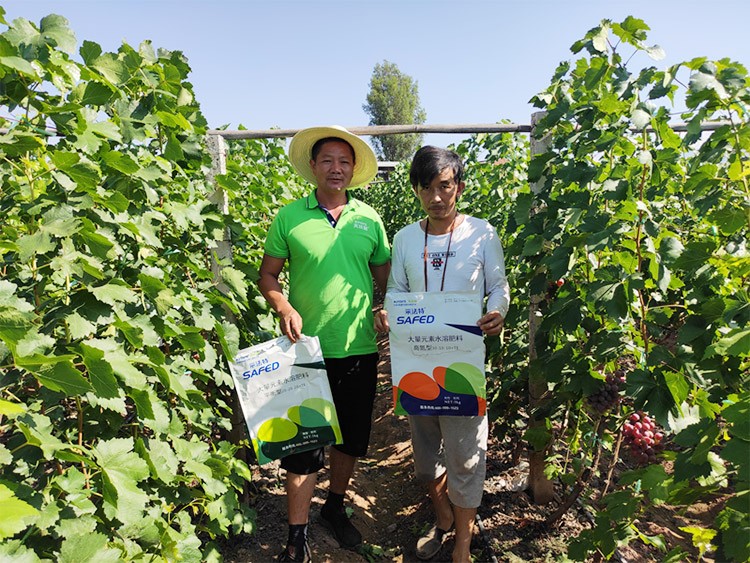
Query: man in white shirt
[[449, 251]]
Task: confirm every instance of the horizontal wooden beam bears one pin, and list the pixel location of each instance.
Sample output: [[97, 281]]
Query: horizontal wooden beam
[[373, 130], [468, 128]]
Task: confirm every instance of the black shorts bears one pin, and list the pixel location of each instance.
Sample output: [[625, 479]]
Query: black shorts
[[353, 380]]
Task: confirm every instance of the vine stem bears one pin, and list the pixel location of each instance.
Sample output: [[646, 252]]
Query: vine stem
[[84, 470], [66, 324], [19, 447], [738, 148], [575, 433], [615, 458], [639, 256], [13, 165], [581, 482]]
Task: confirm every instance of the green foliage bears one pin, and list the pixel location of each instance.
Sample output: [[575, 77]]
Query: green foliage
[[114, 397], [495, 176], [648, 228], [258, 181], [394, 99], [392, 197]]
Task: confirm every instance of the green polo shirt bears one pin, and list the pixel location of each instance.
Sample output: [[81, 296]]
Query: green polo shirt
[[330, 283]]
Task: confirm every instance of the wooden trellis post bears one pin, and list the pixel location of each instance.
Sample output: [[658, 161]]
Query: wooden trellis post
[[221, 256], [222, 253], [542, 488]]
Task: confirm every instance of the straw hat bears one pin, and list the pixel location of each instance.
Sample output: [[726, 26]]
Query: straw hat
[[300, 153]]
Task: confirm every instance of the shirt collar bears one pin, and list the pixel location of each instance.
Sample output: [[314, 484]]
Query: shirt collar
[[312, 201]]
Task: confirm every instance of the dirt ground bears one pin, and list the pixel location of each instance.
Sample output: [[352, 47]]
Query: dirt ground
[[392, 510]]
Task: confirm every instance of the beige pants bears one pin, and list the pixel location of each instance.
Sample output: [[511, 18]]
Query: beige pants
[[456, 444]]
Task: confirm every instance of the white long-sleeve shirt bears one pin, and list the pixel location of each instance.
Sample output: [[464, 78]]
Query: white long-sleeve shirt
[[476, 262]]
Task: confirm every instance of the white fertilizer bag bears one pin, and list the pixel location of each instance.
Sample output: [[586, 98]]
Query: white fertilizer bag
[[285, 396]]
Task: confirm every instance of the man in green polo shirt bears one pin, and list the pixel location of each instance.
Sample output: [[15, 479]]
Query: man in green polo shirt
[[334, 246]]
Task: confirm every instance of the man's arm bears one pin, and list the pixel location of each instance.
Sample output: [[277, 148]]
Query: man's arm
[[289, 319], [380, 274], [491, 323], [496, 284]]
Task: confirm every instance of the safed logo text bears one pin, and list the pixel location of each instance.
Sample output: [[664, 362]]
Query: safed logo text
[[415, 319], [267, 368]]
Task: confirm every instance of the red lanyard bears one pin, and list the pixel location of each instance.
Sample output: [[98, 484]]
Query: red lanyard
[[447, 252]]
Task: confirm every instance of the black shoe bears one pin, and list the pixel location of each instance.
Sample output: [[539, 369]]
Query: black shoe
[[290, 553], [343, 530]]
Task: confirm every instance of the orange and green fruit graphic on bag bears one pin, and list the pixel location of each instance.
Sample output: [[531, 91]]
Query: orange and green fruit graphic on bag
[[458, 389]]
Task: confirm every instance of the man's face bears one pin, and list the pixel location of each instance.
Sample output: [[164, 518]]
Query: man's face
[[439, 198], [334, 166]]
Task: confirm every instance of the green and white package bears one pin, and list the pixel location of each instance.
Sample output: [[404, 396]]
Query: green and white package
[[285, 396]]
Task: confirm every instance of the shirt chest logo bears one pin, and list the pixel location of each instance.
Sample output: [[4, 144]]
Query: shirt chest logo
[[361, 225], [437, 259]]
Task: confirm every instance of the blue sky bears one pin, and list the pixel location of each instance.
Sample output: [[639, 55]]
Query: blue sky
[[292, 64]]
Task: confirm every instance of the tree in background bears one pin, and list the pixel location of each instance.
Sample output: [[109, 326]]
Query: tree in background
[[394, 100]]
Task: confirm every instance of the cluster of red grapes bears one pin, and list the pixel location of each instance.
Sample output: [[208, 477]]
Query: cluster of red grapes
[[642, 437], [609, 395]]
